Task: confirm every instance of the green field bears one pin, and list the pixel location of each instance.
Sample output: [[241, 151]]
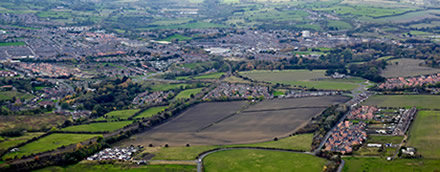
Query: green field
[[297, 142], [50, 142], [98, 127], [185, 94], [420, 101], [12, 44], [382, 165], [151, 111], [8, 95], [262, 160], [424, 134], [92, 167], [176, 37], [12, 141], [166, 87], [122, 114], [304, 78], [384, 139], [215, 75]]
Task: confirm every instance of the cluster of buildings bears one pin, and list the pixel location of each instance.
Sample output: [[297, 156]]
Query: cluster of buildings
[[405, 120], [7, 74], [363, 113], [152, 98], [238, 91], [124, 154], [46, 70], [346, 135], [301, 93], [409, 82]]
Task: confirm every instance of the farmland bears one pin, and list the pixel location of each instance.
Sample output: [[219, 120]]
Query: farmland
[[50, 142], [305, 78], [151, 111], [98, 127], [166, 87], [262, 160], [176, 37], [424, 134], [206, 123], [420, 101], [400, 165], [407, 67]]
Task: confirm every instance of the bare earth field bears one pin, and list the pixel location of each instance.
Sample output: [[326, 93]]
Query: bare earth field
[[407, 67], [218, 123]]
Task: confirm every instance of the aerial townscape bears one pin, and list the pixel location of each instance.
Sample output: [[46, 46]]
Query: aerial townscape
[[220, 85]]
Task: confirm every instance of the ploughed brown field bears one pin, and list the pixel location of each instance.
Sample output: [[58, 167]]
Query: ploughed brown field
[[222, 123]]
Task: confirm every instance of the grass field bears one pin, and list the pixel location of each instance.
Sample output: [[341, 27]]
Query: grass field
[[50, 142], [123, 114], [166, 87], [215, 75], [407, 67], [31, 122], [92, 167], [420, 101], [425, 134], [382, 165], [298, 142], [176, 37], [98, 127], [262, 160], [305, 78], [151, 111], [384, 139], [12, 141], [8, 95], [11, 44], [185, 94]]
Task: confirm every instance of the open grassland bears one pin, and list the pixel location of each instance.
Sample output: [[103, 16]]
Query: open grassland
[[214, 75], [176, 37], [407, 67], [98, 127], [92, 167], [8, 95], [234, 79], [122, 114], [11, 44], [297, 142], [262, 160], [12, 141], [166, 87], [384, 139], [151, 111], [50, 142], [304, 78], [382, 165], [420, 101], [34, 122], [410, 16], [185, 94], [425, 134]]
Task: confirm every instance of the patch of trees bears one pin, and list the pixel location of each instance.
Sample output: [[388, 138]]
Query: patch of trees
[[370, 70], [109, 94]]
